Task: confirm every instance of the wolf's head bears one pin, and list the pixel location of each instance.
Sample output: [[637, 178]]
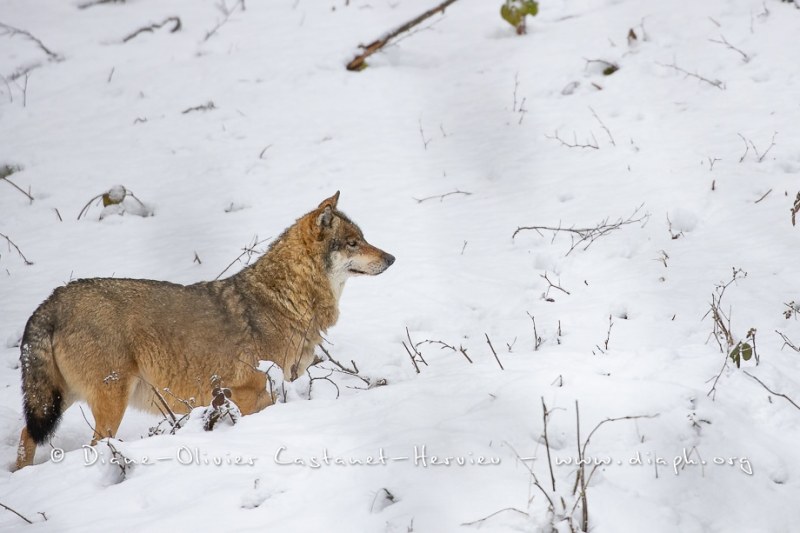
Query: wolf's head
[[347, 253]]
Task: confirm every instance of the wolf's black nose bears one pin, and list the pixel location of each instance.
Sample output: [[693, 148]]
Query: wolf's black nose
[[390, 259]]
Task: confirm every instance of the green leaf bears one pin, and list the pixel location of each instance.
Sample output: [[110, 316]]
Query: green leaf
[[735, 355], [747, 351], [511, 14]]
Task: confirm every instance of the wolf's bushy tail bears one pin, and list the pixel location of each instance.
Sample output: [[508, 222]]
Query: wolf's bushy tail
[[42, 389]]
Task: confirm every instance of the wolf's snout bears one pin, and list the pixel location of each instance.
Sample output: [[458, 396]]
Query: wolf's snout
[[389, 260]]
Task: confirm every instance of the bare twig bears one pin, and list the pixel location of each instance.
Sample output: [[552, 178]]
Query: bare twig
[[493, 352], [759, 156], [425, 142], [587, 236], [443, 345], [764, 196], [441, 197], [602, 125], [208, 106], [550, 285], [575, 144], [11, 244], [537, 340], [413, 352], [359, 62], [722, 40], [86, 5], [226, 11], [11, 31], [714, 83], [787, 342], [545, 416], [6, 171], [772, 391], [7, 508], [267, 147], [250, 250], [795, 209], [485, 518], [176, 26]]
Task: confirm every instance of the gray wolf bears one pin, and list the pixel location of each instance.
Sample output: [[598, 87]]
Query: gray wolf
[[110, 342]]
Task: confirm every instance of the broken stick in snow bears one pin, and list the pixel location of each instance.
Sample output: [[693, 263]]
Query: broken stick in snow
[[359, 63]]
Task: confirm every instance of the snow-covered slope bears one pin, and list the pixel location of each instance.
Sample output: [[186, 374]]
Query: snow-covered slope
[[694, 141]]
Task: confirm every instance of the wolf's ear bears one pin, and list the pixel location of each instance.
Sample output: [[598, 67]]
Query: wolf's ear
[[332, 201], [325, 219]]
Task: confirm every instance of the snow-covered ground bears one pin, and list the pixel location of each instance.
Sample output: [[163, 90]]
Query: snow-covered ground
[[683, 131]]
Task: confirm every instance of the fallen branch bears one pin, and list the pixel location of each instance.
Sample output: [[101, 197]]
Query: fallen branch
[[493, 352], [588, 235], [575, 144], [11, 31], [93, 3], [226, 14], [208, 106], [359, 62], [151, 28], [444, 345], [11, 244], [722, 40], [441, 197], [6, 171], [795, 209], [715, 83], [772, 391], [787, 342], [7, 508]]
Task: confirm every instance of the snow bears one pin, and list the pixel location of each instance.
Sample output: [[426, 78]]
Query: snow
[[463, 105]]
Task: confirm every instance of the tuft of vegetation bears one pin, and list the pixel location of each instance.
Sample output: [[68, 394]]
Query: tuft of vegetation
[[114, 203], [745, 350], [221, 408], [515, 11]]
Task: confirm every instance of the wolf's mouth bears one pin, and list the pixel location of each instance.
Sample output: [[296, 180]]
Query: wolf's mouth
[[356, 271]]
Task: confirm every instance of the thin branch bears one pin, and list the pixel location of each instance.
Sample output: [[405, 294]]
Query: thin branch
[[715, 83], [575, 144], [494, 352], [11, 244], [12, 31], [176, 26], [772, 391], [602, 125], [208, 106], [226, 14], [248, 250], [589, 235], [93, 3], [443, 345], [764, 196], [359, 62], [722, 40], [545, 416], [485, 518], [6, 171], [7, 508], [787, 342], [441, 197]]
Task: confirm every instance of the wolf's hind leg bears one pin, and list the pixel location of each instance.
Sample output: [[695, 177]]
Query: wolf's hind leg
[[108, 407], [26, 449]]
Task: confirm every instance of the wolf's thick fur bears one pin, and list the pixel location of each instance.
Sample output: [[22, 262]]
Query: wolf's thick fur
[[109, 341]]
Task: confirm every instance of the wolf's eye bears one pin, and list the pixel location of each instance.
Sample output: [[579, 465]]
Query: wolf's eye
[[352, 243]]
